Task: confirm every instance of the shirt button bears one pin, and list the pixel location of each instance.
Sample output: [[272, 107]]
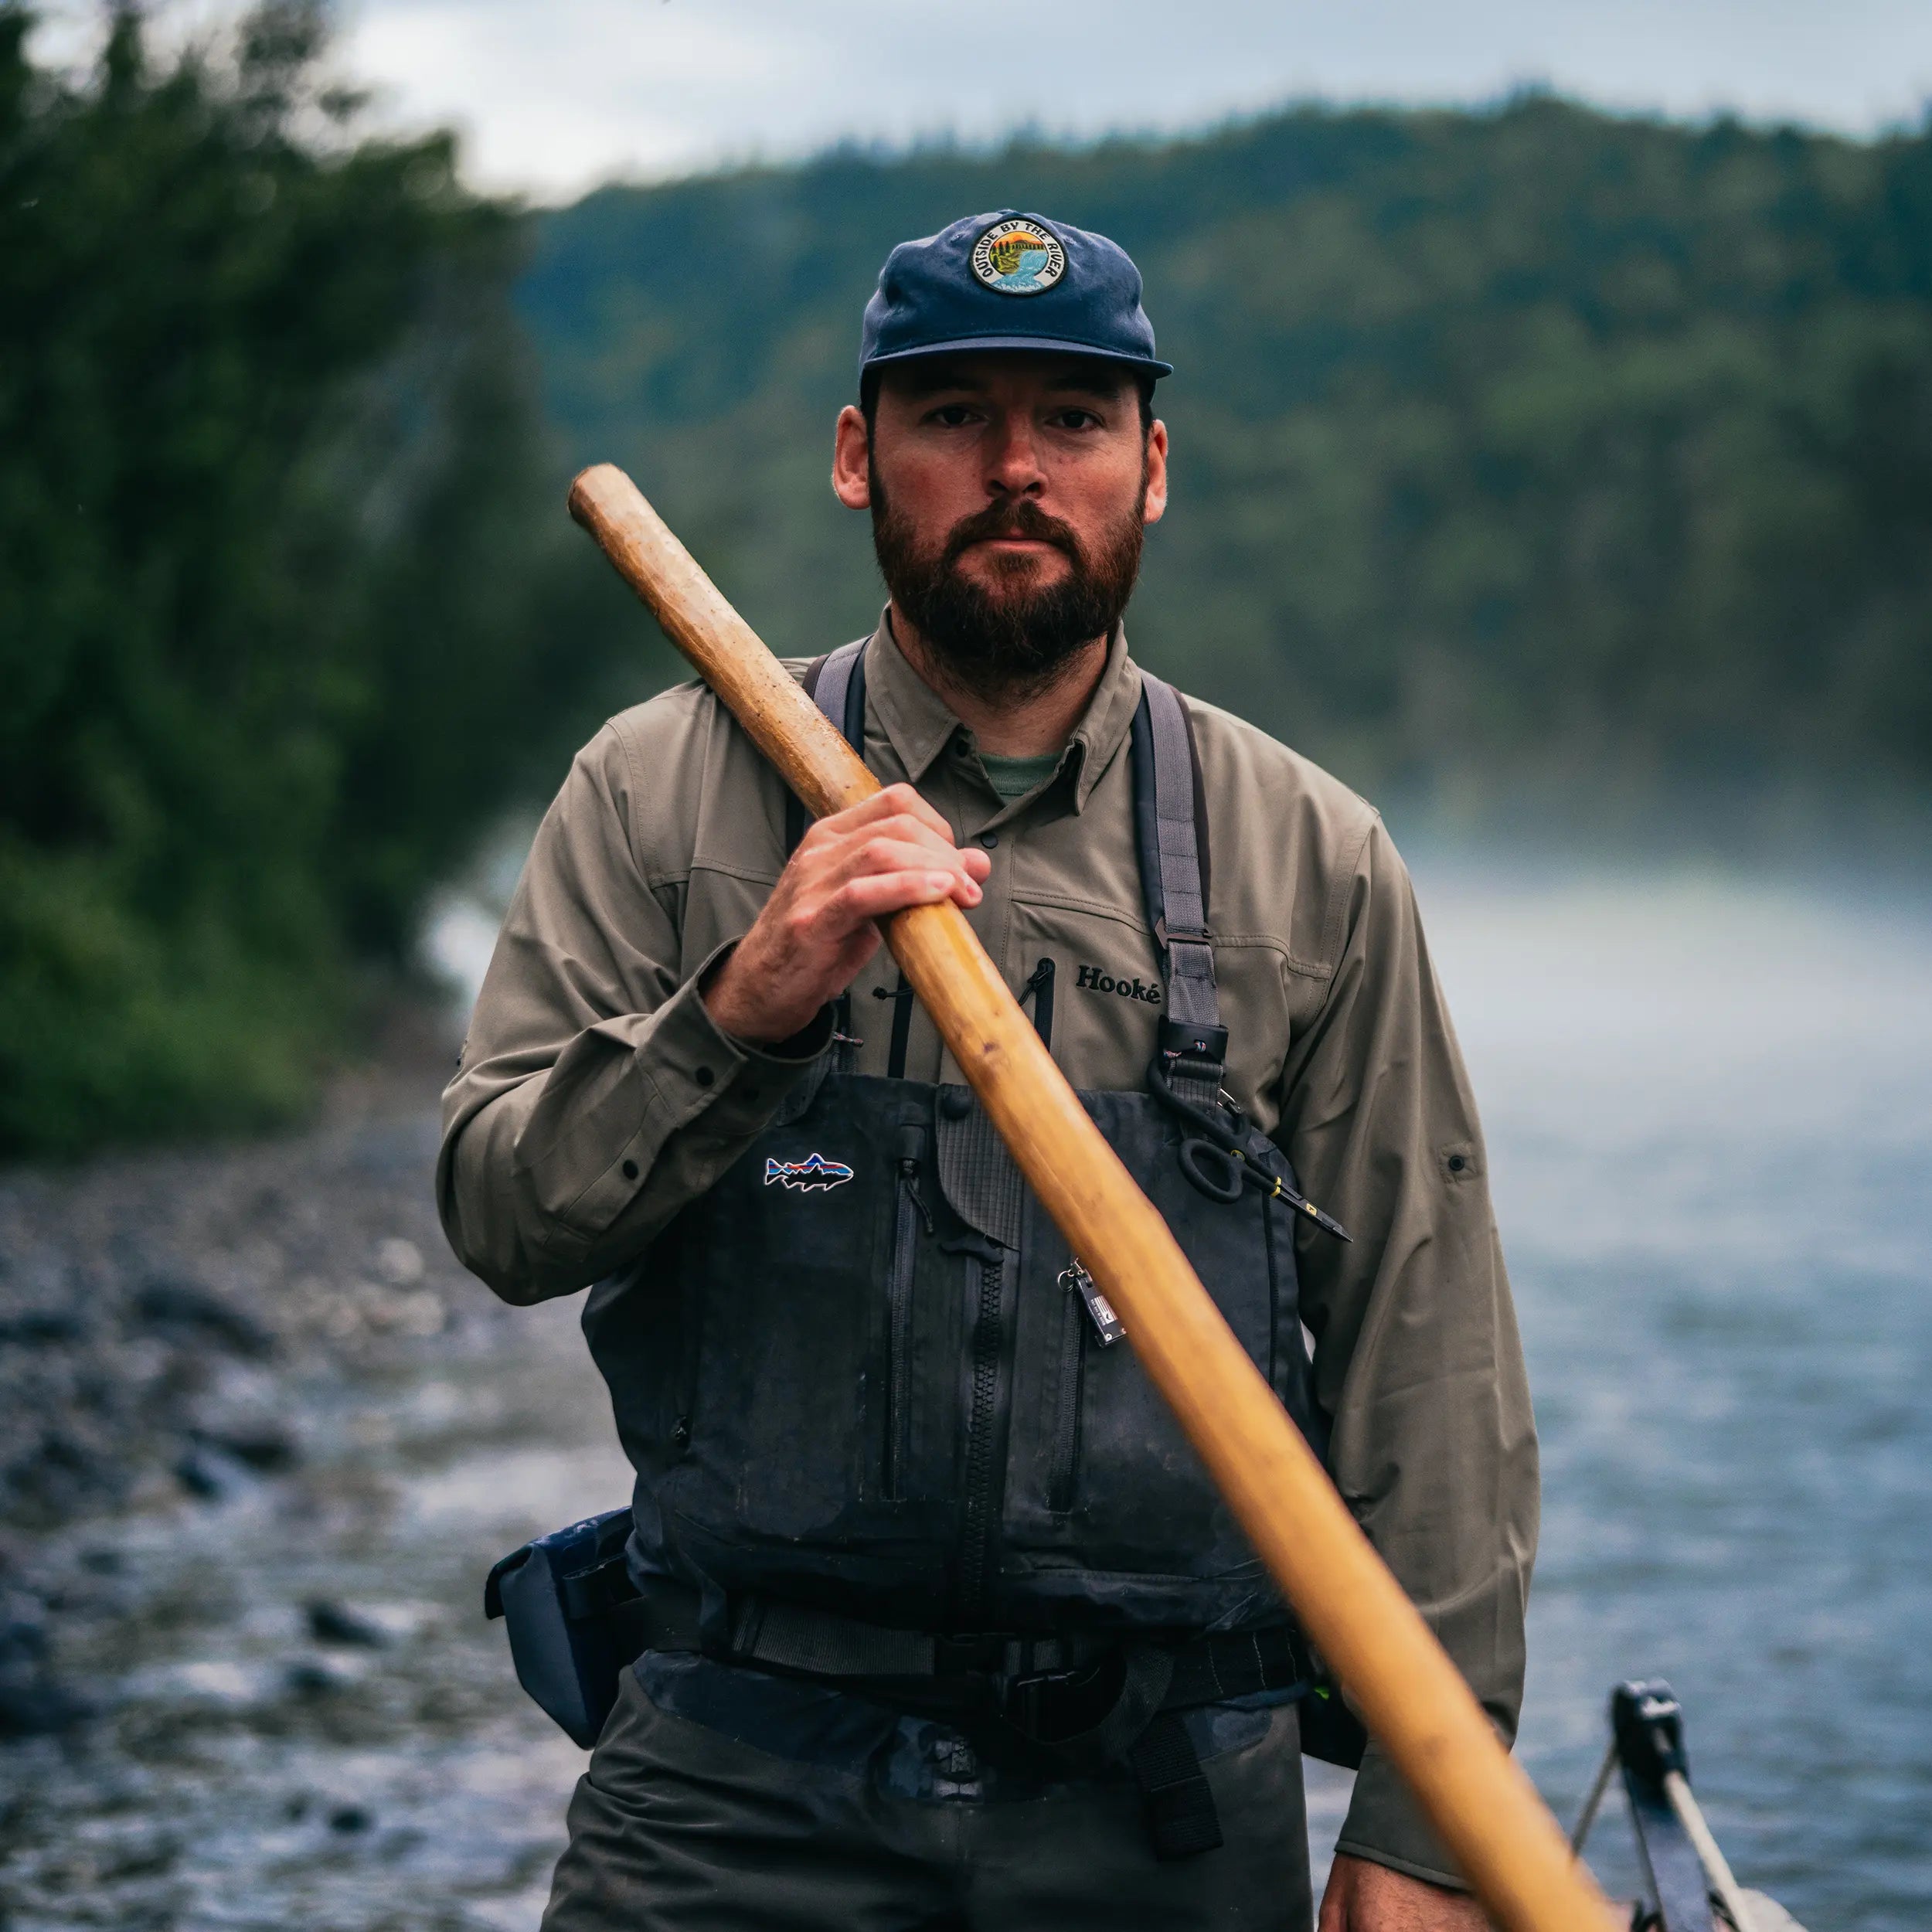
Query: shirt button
[[630, 1170], [989, 839], [703, 1077]]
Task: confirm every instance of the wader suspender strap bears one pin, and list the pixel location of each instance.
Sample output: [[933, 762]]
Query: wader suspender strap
[[840, 691], [837, 685], [1170, 832], [838, 682]]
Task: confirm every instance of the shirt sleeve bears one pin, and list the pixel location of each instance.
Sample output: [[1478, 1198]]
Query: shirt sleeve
[[1417, 1359], [595, 1096]]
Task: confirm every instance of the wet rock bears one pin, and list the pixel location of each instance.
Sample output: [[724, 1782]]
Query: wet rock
[[205, 1685], [267, 1447], [209, 1472], [182, 1310], [23, 1633], [399, 1262], [38, 1328], [33, 1702], [39, 1705], [314, 1677], [334, 1623], [61, 1465]]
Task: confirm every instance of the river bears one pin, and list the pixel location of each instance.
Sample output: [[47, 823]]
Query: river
[[1709, 1104], [1709, 1099]]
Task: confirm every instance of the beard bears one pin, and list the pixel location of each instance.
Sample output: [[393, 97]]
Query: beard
[[1005, 634]]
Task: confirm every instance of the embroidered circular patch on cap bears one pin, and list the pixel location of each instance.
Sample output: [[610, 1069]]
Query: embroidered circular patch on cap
[[1018, 257]]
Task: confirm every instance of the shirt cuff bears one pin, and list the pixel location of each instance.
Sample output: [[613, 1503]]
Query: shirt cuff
[[692, 1070], [801, 1049], [1387, 1826]]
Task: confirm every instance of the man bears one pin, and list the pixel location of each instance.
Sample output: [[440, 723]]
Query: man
[[954, 1631]]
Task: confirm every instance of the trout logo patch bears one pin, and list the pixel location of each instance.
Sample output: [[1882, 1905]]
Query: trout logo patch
[[814, 1170], [1021, 256]]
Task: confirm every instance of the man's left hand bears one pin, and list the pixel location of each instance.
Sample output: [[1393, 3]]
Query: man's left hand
[[1366, 1897]]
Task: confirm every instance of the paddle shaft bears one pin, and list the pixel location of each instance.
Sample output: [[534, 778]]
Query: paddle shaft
[[1408, 1692]]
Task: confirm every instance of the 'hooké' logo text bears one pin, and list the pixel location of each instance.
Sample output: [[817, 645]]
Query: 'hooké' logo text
[[1092, 980]]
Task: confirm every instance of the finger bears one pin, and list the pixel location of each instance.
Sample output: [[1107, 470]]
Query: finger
[[879, 895], [894, 801], [900, 826], [884, 854], [906, 799], [933, 848]]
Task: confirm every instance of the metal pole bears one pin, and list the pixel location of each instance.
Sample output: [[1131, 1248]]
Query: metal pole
[[1716, 1866], [1605, 1771]]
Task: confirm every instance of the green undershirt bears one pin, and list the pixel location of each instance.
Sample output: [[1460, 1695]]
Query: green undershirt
[[1015, 777]]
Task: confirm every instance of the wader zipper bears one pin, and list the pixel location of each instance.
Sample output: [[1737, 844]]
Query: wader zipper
[[980, 1520], [909, 1150], [1039, 984], [1064, 1472], [901, 997], [1085, 1307]]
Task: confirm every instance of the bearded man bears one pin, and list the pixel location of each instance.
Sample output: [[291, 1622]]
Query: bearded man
[[942, 1624]]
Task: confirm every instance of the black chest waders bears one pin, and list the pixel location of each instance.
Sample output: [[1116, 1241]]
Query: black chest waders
[[863, 1372]]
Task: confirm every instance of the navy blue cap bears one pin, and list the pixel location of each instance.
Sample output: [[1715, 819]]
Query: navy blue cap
[[1009, 280]]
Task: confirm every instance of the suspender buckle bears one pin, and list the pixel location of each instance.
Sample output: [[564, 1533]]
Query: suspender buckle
[[1180, 1040]]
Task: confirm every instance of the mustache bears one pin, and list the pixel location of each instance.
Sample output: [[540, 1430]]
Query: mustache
[[1022, 519]]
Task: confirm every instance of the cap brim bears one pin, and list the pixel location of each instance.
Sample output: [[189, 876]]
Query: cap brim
[[1049, 344]]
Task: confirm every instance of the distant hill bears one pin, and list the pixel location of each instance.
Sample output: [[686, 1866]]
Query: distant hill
[[1530, 440]]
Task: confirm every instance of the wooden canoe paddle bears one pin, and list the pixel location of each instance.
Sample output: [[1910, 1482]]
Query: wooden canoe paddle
[[1398, 1675]]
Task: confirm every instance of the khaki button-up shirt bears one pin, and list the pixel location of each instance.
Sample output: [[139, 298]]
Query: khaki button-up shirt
[[595, 1096]]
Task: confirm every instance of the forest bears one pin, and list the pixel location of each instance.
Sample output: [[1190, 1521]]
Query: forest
[[1527, 454], [1529, 441], [279, 571]]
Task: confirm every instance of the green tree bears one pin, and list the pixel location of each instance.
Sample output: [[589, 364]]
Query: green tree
[[273, 501]]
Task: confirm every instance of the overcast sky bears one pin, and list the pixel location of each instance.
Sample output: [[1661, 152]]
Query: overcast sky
[[555, 95]]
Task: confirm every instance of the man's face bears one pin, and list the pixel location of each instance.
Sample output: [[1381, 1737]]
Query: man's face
[[1009, 493]]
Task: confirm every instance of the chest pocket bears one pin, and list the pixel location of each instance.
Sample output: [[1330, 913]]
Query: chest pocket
[[1105, 1479]]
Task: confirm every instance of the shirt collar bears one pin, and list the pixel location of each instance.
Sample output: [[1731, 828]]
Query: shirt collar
[[919, 725]]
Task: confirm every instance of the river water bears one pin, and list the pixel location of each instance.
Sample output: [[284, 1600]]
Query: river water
[[1709, 1102], [1709, 1105]]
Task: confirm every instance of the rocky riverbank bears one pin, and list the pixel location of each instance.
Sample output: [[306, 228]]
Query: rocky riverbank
[[157, 1309], [259, 1439], [151, 1304]]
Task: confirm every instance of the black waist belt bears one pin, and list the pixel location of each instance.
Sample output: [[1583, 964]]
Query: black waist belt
[[818, 1643], [577, 1618], [1028, 1683]]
